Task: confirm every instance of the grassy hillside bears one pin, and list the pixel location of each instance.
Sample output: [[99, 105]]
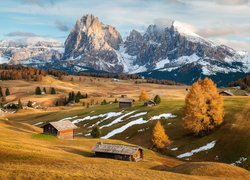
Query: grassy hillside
[[231, 140], [27, 154]]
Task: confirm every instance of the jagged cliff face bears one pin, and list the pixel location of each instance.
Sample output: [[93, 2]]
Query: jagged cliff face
[[94, 44], [171, 43]]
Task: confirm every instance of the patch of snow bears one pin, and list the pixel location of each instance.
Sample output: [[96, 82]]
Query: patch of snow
[[161, 64], [39, 123], [200, 149], [166, 115], [123, 128], [128, 62], [119, 119], [138, 114], [141, 130], [174, 149], [240, 161], [106, 115], [138, 121]]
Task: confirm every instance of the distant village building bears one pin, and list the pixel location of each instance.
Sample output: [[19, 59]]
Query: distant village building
[[247, 94], [149, 103], [226, 93], [119, 152], [61, 129], [125, 103]]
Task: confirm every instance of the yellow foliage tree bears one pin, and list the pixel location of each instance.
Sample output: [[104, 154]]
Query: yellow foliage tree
[[144, 96], [159, 136], [203, 108]]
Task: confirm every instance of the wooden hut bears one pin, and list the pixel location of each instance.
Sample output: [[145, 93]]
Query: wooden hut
[[119, 152], [226, 93], [125, 103], [149, 103], [61, 129]]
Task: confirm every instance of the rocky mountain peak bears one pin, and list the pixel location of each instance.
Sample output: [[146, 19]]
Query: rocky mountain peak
[[88, 35]]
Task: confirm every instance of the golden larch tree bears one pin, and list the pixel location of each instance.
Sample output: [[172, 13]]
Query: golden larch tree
[[203, 108], [144, 96], [159, 136]]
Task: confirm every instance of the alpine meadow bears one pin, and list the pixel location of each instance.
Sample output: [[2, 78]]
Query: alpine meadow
[[123, 89]]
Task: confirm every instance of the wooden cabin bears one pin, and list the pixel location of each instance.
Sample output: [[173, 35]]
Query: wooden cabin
[[61, 129], [125, 103], [226, 93], [119, 152], [149, 103]]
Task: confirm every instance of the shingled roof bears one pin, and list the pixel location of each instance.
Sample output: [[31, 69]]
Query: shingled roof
[[227, 92], [62, 125], [116, 148], [125, 100]]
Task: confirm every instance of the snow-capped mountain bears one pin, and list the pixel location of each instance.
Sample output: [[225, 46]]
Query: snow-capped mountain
[[162, 48], [30, 51], [164, 51]]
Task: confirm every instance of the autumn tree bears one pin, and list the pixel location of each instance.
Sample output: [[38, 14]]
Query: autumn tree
[[159, 136], [1, 91], [7, 92], [157, 99], [203, 108], [96, 132], [52, 91], [44, 90], [144, 96], [38, 91]]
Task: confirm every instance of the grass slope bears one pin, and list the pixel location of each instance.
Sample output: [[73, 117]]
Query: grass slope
[[27, 155]]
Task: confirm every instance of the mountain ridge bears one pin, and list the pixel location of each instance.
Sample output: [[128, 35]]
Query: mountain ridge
[[166, 48]]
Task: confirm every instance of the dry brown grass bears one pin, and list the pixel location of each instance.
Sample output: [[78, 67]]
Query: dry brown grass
[[25, 155]]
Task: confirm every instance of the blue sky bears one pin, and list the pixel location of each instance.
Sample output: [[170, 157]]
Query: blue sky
[[223, 21]]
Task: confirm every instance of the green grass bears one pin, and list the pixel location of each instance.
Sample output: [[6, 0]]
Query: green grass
[[43, 136], [232, 137]]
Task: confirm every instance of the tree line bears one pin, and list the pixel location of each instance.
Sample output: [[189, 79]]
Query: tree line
[[244, 83], [18, 72]]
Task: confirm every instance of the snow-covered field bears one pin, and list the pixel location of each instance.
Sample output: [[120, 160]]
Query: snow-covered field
[[200, 149], [118, 117]]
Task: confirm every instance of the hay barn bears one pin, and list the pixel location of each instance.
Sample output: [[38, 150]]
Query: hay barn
[[125, 103], [61, 129], [119, 152]]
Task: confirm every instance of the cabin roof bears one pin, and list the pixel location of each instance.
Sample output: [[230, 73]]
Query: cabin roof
[[116, 148], [125, 100], [227, 92], [62, 125]]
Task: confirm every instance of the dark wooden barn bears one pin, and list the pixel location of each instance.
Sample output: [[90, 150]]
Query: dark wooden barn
[[61, 129], [125, 103], [119, 152], [149, 103], [226, 93]]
